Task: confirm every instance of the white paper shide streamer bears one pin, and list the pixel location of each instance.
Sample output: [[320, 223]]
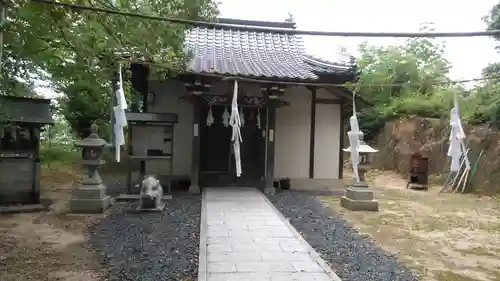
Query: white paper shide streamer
[[354, 142], [210, 117], [235, 123], [120, 118], [225, 117], [457, 147], [242, 118]]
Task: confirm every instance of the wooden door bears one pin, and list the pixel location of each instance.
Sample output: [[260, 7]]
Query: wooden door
[[214, 142], [253, 145]]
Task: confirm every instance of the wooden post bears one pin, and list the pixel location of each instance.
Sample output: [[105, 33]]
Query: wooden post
[[195, 164], [270, 138], [341, 140], [312, 137]]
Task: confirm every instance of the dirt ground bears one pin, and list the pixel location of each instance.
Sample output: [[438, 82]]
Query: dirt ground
[[49, 245], [442, 236]]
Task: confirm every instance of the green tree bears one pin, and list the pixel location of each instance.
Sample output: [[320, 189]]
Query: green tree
[[77, 50], [483, 104], [410, 79]]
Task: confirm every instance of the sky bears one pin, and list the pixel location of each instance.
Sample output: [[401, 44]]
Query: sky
[[467, 55]]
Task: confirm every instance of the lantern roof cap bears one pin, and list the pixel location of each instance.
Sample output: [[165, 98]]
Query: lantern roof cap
[[93, 140], [363, 148]]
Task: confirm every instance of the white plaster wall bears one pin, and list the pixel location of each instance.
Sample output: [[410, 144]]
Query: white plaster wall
[[327, 141], [167, 101], [292, 135], [324, 94]]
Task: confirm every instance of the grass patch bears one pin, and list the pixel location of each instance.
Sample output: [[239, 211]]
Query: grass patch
[[443, 236], [481, 251], [451, 276]]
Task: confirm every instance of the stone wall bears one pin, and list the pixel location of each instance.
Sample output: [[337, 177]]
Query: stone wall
[[400, 138]]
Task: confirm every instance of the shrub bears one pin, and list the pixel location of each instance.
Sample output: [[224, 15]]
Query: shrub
[[58, 153]]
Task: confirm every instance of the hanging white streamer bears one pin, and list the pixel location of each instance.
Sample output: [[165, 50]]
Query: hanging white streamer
[[120, 93], [210, 116], [119, 140], [13, 132], [225, 117], [457, 147], [120, 117], [242, 117], [235, 123], [353, 135]]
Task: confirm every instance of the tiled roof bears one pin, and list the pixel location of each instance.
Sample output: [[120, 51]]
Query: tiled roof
[[24, 109], [236, 51]]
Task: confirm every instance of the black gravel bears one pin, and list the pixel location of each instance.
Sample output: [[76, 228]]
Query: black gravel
[[352, 256], [150, 246]]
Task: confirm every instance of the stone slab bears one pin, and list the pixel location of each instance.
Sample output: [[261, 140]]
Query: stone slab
[[239, 276], [194, 189], [89, 206], [359, 205], [299, 276], [158, 208], [15, 209], [356, 193], [136, 197], [244, 237], [90, 192]]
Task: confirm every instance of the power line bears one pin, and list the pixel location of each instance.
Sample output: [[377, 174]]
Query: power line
[[275, 30]]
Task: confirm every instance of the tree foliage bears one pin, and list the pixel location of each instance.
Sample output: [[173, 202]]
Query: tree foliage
[[483, 103], [413, 79], [410, 79], [78, 50]]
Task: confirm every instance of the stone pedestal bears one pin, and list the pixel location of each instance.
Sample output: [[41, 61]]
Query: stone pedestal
[[194, 189], [269, 190], [359, 197], [90, 197]]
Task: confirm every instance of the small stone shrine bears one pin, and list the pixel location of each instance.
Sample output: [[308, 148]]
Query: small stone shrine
[[21, 121], [90, 197]]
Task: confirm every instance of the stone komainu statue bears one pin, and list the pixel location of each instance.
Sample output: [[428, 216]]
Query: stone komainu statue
[[151, 193]]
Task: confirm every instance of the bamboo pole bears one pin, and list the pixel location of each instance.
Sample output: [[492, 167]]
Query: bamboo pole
[[458, 172], [462, 177], [465, 181]]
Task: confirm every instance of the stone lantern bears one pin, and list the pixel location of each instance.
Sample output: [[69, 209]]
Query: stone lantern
[[90, 196], [359, 196]]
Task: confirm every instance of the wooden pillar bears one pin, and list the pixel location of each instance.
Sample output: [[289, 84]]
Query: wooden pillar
[[312, 136], [271, 132], [35, 135], [341, 139], [195, 164]]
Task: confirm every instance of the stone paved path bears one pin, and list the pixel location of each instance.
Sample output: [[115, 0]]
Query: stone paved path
[[243, 237]]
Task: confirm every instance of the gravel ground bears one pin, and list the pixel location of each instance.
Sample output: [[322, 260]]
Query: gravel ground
[[353, 257], [149, 246]]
